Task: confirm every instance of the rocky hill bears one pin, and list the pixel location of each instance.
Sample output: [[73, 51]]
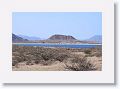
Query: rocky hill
[[62, 37]]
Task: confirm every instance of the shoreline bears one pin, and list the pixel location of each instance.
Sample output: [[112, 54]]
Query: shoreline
[[59, 43]]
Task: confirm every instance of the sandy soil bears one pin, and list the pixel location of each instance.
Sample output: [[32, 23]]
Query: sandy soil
[[97, 61], [56, 66]]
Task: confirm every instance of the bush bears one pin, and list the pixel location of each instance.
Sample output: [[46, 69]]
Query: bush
[[46, 56], [37, 61], [29, 62], [98, 54], [87, 51], [60, 57], [80, 64], [14, 62]]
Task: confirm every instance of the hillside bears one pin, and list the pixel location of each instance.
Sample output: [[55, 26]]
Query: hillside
[[16, 38], [32, 38], [62, 37], [96, 38]]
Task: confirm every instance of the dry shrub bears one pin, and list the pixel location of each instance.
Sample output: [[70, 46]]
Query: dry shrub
[[60, 56], [90, 52], [30, 62], [39, 55], [80, 64], [87, 51], [46, 55], [14, 62], [98, 54], [37, 61]]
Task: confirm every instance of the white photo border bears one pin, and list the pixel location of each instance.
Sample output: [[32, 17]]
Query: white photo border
[[104, 6]]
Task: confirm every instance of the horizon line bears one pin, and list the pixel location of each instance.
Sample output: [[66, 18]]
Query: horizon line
[[56, 34]]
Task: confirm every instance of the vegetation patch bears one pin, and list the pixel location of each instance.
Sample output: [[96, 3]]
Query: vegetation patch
[[73, 59], [80, 64]]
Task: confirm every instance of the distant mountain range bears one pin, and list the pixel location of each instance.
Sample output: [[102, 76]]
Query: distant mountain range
[[16, 38], [57, 38], [96, 38], [29, 37]]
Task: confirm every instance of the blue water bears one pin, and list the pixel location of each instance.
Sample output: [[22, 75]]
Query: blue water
[[62, 45]]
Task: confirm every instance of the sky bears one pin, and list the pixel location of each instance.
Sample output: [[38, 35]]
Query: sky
[[81, 25]]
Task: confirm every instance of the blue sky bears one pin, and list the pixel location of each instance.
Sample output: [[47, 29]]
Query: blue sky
[[81, 25]]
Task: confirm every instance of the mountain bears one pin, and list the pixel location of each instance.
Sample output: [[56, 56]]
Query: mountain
[[29, 37], [62, 37], [96, 38], [16, 38]]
